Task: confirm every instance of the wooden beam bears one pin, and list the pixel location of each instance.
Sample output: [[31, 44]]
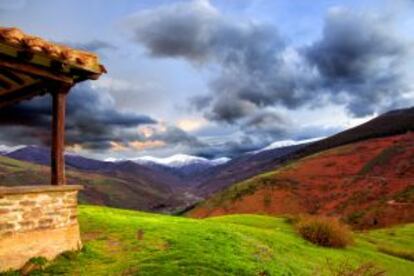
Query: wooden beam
[[24, 93], [10, 75], [34, 70], [4, 83], [58, 134]]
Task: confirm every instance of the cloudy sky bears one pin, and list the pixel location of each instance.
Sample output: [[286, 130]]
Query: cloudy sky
[[217, 78]]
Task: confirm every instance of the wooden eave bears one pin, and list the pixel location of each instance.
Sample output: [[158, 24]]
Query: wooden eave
[[29, 71], [50, 63]]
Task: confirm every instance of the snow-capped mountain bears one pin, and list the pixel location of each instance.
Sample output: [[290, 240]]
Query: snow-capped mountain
[[185, 164], [180, 160], [287, 143], [6, 149]]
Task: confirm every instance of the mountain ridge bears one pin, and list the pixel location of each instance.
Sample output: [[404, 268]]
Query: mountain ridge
[[198, 184]]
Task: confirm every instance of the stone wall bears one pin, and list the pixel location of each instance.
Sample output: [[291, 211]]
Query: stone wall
[[37, 221]]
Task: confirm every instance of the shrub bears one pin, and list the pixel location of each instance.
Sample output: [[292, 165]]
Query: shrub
[[324, 231]]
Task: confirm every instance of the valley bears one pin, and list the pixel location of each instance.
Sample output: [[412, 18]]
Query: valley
[[363, 174], [118, 189]]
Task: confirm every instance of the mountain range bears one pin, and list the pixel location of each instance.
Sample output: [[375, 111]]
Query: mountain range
[[177, 183], [168, 184], [181, 163]]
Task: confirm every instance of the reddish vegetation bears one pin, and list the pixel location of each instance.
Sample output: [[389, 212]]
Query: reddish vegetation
[[367, 184]]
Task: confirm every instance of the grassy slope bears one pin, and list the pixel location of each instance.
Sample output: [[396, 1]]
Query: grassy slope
[[229, 245]]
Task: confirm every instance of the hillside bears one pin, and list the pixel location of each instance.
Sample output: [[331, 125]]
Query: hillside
[[368, 183], [248, 165], [99, 189], [119, 242], [159, 177], [240, 168]]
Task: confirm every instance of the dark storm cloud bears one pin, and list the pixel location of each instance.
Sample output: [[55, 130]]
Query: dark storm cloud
[[253, 70], [230, 109], [359, 58], [200, 101], [230, 149], [357, 62], [92, 120], [267, 124], [173, 136], [179, 30]]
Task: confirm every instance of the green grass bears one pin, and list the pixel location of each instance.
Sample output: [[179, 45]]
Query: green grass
[[228, 245]]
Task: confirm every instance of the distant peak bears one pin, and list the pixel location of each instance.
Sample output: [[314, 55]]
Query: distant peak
[[288, 143], [8, 149], [177, 160]]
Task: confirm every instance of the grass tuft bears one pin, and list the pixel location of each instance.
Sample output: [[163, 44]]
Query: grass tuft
[[345, 268], [36, 264], [397, 252]]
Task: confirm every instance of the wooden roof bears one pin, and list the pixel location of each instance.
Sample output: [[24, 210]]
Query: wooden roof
[[30, 65]]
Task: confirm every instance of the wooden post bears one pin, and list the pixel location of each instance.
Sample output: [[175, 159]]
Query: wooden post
[[58, 134]]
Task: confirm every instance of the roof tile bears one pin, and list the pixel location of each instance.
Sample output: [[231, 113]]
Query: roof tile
[[17, 38]]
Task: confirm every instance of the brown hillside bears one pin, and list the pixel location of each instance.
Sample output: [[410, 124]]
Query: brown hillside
[[100, 189], [368, 184]]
